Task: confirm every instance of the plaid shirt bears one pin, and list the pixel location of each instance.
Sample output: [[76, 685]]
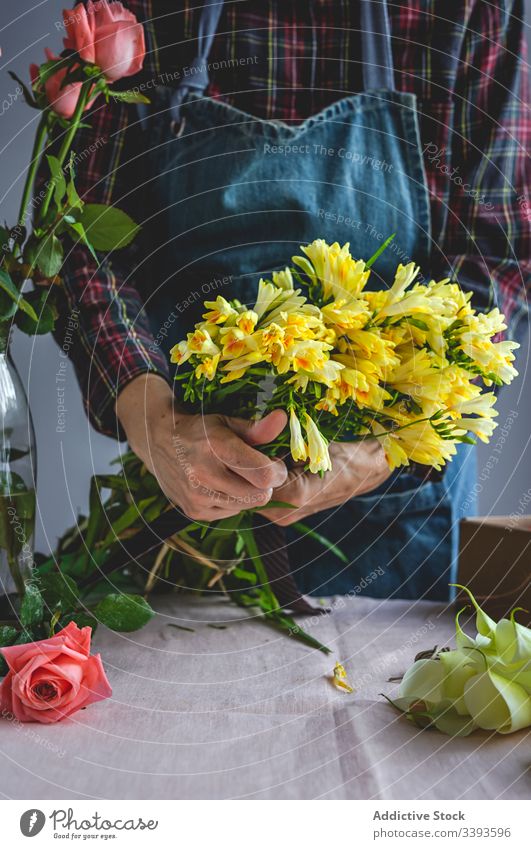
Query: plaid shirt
[[465, 61]]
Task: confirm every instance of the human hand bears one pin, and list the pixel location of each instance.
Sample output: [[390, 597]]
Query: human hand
[[357, 467], [205, 464]]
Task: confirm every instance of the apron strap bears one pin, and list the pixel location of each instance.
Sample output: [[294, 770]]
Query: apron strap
[[377, 57], [198, 81]]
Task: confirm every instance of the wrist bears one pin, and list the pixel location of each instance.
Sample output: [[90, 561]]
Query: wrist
[[141, 405]]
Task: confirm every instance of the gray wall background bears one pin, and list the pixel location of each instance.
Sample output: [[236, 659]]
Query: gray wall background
[[66, 460]]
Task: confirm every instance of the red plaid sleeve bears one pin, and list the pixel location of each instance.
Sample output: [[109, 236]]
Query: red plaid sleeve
[[113, 343], [486, 242]]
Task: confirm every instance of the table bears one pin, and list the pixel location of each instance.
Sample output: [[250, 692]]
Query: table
[[244, 712]]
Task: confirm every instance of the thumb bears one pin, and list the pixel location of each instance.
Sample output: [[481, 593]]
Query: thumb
[[262, 431]]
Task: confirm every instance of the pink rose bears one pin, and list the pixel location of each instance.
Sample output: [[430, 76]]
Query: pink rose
[[107, 35], [63, 101], [52, 679]]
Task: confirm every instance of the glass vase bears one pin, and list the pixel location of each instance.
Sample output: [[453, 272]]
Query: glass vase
[[17, 476]]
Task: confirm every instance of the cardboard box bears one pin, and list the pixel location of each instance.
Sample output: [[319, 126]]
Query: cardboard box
[[495, 563]]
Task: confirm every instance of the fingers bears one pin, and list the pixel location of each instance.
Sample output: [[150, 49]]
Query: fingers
[[213, 488], [261, 432], [301, 492], [249, 464]]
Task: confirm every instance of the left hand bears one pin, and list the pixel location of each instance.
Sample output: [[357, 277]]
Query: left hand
[[357, 467]]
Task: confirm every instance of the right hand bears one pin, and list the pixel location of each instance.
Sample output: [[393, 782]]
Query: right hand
[[205, 464]]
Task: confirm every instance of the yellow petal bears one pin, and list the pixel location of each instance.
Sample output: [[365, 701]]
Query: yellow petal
[[340, 678]]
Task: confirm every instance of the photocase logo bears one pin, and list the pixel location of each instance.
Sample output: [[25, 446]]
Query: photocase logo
[[32, 822]]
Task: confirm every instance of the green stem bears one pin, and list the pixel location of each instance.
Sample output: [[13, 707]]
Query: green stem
[[16, 574], [254, 555], [67, 142], [32, 170]]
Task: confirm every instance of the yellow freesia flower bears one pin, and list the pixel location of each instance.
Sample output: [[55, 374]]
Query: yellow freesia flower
[[317, 447], [328, 374], [207, 368], [267, 295], [246, 321], [180, 353], [343, 315], [198, 342], [418, 441], [483, 428], [283, 279], [404, 277], [218, 311], [354, 385], [291, 303], [374, 346], [328, 404], [297, 444], [480, 405], [340, 275], [244, 362], [233, 375], [304, 355], [236, 342]]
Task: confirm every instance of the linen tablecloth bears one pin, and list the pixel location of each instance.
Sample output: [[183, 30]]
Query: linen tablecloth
[[240, 711]]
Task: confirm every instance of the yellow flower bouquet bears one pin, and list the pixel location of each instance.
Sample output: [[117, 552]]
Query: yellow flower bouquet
[[411, 365], [408, 364]]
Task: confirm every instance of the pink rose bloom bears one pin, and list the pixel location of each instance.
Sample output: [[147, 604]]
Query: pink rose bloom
[[63, 101], [107, 35], [52, 679]]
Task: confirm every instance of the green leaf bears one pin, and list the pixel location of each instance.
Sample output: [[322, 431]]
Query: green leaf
[[117, 482], [46, 254], [5, 238], [128, 96], [58, 178], [9, 288], [244, 575], [379, 252], [416, 322], [96, 523], [25, 636], [74, 200], [45, 311], [82, 620], [59, 590], [254, 555], [8, 635], [124, 612], [287, 624], [32, 607], [8, 306], [133, 513], [305, 529], [77, 228], [108, 227]]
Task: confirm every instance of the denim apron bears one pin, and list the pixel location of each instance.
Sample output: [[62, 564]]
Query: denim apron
[[232, 197]]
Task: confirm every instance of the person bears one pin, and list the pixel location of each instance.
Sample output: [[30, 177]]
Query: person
[[271, 124]]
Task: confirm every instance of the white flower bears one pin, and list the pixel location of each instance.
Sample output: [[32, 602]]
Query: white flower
[[317, 447], [297, 443]]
